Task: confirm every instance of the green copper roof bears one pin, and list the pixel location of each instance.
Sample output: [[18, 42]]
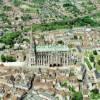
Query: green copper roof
[[49, 48]]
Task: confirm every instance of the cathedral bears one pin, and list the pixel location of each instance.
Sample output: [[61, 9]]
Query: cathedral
[[53, 56]]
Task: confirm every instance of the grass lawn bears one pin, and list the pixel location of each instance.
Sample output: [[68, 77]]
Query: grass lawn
[[97, 57], [88, 63], [98, 67]]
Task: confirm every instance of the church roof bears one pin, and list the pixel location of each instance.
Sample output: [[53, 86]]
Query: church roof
[[49, 48]]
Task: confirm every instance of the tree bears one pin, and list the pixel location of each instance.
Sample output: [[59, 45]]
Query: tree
[[3, 58], [60, 42], [71, 88], [6, 8], [91, 57], [16, 2], [2, 47], [9, 38], [95, 52], [1, 1], [94, 94], [77, 96], [16, 18], [75, 37], [12, 79], [7, 58], [10, 59], [95, 91], [98, 62], [64, 84], [80, 37], [70, 45], [26, 17]]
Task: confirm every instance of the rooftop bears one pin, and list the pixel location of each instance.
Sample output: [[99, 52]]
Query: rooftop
[[49, 48]]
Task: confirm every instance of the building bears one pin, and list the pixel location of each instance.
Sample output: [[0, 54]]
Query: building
[[53, 55]]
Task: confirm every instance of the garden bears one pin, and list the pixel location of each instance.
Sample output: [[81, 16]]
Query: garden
[[92, 59]]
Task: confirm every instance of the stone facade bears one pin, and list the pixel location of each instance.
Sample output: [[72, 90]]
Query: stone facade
[[53, 56]]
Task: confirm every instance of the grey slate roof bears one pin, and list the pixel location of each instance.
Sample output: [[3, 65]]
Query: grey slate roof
[[51, 48]]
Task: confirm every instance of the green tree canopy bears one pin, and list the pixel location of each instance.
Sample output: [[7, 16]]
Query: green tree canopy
[[98, 62], [16, 2], [8, 38], [8, 58], [75, 37], [95, 52], [91, 57], [77, 96], [3, 58]]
